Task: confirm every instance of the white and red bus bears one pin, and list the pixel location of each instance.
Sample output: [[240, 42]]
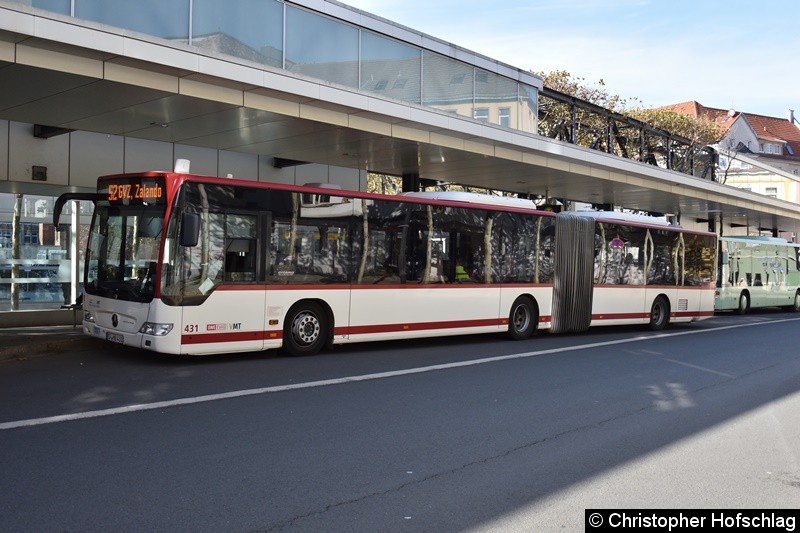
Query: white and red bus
[[185, 264]]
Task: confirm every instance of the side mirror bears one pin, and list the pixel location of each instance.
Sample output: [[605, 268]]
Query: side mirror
[[190, 229]]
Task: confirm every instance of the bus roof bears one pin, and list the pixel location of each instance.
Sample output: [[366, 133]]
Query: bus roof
[[473, 198], [759, 238], [625, 217]]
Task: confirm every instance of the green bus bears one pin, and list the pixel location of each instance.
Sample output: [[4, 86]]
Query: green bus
[[757, 272]]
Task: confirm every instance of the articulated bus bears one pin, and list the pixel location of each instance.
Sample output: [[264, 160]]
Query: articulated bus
[[758, 272], [184, 264]]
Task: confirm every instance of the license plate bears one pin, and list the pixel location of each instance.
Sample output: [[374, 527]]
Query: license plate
[[113, 337]]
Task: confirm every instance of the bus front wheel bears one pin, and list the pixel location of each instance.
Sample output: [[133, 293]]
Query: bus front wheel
[[523, 319], [659, 314], [306, 330]]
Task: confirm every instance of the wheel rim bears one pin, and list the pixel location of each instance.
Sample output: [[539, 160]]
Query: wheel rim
[[742, 302], [521, 318], [306, 328], [797, 302], [658, 313]]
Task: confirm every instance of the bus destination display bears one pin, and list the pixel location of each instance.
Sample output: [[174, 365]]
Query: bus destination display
[[135, 191]]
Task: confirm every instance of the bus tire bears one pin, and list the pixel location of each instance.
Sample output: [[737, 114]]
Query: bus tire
[[306, 329], [744, 304], [659, 314], [523, 319], [796, 304]]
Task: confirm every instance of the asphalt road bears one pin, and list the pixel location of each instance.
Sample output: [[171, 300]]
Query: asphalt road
[[460, 434]]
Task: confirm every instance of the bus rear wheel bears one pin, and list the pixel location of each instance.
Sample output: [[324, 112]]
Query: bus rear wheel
[[744, 304], [306, 329], [796, 305], [659, 314], [523, 319]]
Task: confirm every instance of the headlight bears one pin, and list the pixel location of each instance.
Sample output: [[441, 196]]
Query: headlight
[[151, 328], [88, 316]]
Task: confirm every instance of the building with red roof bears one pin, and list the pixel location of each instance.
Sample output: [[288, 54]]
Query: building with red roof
[[757, 152]]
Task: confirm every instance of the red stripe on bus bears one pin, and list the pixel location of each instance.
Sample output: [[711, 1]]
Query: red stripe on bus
[[387, 286], [230, 336], [620, 316], [703, 287], [422, 326], [632, 316], [413, 285], [243, 336], [243, 287], [683, 314]]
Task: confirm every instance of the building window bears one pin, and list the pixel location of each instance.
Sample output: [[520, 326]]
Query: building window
[[504, 116], [482, 114], [772, 192]]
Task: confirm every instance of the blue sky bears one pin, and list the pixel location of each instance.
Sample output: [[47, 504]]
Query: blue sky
[[731, 55]]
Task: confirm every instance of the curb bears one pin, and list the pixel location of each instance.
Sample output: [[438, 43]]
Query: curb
[[37, 349]]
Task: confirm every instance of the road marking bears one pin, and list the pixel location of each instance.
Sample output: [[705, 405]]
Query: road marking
[[353, 379], [704, 369]]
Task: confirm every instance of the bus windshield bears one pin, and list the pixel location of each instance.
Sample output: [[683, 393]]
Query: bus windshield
[[122, 252]]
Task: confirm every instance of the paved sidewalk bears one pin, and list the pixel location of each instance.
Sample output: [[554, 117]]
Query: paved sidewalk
[[26, 342]]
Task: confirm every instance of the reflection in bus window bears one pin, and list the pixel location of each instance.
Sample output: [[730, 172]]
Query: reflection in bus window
[[667, 256], [701, 259], [386, 225], [311, 249], [619, 254]]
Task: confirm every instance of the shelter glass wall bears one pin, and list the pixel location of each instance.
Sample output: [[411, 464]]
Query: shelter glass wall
[[220, 27], [390, 67], [59, 6], [528, 108], [280, 35], [447, 84], [168, 20], [331, 54], [498, 96]]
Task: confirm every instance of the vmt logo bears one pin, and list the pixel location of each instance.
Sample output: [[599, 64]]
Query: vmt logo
[[224, 327]]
